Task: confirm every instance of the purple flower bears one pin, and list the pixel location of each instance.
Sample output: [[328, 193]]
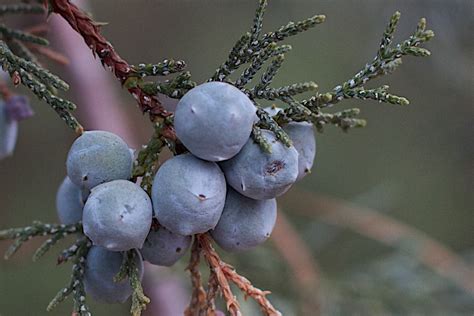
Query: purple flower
[[8, 132], [18, 108], [15, 109]]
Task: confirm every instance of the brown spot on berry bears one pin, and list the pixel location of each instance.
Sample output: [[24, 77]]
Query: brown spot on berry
[[274, 167]]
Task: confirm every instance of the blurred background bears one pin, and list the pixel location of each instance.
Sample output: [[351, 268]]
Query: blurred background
[[384, 224]]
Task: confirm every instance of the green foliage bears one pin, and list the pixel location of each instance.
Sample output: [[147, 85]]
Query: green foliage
[[145, 166], [21, 8], [256, 50], [76, 284], [17, 59], [130, 270], [22, 235], [173, 88], [164, 68]]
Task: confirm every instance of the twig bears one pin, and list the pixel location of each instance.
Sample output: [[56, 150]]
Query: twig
[[76, 285], [22, 235], [212, 290], [90, 31], [130, 270], [215, 263], [22, 8], [198, 297], [249, 290], [225, 273]]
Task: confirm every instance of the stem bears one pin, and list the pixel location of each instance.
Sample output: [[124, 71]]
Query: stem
[[90, 32]]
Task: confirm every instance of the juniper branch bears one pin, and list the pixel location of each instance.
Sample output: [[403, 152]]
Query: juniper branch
[[79, 293], [42, 74], [215, 264], [378, 94], [344, 119], [75, 285], [259, 139], [21, 8], [236, 57], [38, 80], [198, 295], [267, 122], [70, 253], [258, 21], [388, 35], [258, 60], [21, 50], [22, 36], [174, 88], [290, 29], [90, 31], [145, 165], [270, 73], [388, 58], [21, 235], [211, 293], [129, 270], [61, 106], [282, 93], [248, 45], [164, 68]]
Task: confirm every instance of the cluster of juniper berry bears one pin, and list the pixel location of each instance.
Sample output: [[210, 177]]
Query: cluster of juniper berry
[[225, 184]]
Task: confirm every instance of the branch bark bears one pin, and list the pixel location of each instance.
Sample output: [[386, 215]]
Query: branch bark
[[90, 32]]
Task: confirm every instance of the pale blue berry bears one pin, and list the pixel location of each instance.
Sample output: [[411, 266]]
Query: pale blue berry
[[304, 141], [102, 266], [214, 120], [164, 248], [117, 215], [97, 157], [245, 223], [70, 201], [260, 175], [188, 194]]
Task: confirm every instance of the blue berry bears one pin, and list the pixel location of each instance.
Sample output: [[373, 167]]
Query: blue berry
[[245, 223], [117, 215], [101, 268], [97, 157], [70, 201], [304, 141], [260, 175], [188, 194], [164, 248], [214, 120]]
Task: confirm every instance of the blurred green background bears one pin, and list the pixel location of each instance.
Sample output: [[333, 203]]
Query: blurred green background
[[414, 164]]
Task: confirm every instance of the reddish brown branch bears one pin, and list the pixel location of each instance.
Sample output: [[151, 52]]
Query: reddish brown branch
[[198, 297], [212, 290], [226, 273], [216, 265], [90, 32], [245, 286], [297, 255]]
